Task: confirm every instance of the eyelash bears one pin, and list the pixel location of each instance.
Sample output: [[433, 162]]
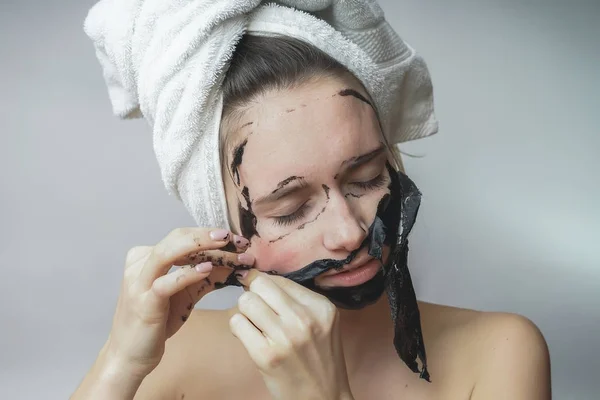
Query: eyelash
[[374, 183], [290, 219]]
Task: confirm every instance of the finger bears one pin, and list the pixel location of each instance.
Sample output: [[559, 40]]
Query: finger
[[310, 306], [241, 242], [135, 260], [257, 311], [262, 284], [218, 257], [299, 293], [252, 339], [196, 291], [136, 253], [176, 245], [289, 296], [182, 303], [237, 244], [170, 284]]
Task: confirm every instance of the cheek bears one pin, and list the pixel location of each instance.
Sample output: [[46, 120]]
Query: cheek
[[275, 256], [366, 206]]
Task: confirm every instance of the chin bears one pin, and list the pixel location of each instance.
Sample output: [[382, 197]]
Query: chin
[[356, 297]]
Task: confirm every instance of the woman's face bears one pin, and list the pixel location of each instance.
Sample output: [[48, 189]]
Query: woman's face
[[306, 169]]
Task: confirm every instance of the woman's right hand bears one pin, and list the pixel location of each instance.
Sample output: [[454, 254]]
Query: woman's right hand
[[154, 304]]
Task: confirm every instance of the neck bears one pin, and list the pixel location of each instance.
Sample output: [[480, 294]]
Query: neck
[[367, 330]]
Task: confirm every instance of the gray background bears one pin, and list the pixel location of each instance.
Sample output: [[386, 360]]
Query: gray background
[[510, 215]]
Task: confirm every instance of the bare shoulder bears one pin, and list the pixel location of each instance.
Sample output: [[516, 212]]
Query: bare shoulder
[[200, 360], [503, 354]]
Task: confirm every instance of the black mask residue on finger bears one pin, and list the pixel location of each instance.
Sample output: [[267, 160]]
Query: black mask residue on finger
[[395, 217]]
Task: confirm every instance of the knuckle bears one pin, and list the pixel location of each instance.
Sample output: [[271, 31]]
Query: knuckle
[[136, 302], [258, 282], [131, 254], [182, 274], [133, 294], [234, 322], [166, 245], [330, 317], [130, 275], [297, 339], [328, 309], [304, 329], [159, 288], [160, 252], [271, 359], [245, 297], [328, 326], [156, 287], [245, 301], [287, 344], [331, 309], [136, 253], [178, 233], [164, 252]]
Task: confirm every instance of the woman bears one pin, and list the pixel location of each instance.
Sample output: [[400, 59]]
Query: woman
[[305, 167]]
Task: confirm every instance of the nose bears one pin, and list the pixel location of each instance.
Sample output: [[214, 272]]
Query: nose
[[345, 231]]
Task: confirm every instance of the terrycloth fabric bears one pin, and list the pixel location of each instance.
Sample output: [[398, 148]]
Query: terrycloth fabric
[[165, 60]]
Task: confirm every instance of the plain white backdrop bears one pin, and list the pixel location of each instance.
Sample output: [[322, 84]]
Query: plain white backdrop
[[510, 218]]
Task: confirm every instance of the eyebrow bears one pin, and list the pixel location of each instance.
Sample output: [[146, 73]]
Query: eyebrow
[[354, 93], [284, 188], [294, 184], [355, 162]]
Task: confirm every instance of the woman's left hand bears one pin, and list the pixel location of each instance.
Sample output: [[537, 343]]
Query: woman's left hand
[[293, 336]]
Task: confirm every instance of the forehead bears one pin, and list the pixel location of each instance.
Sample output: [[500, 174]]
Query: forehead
[[307, 131]]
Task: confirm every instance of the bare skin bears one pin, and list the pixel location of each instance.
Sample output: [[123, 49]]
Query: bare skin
[[305, 139], [464, 350]]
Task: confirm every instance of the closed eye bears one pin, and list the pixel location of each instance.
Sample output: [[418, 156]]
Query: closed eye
[[375, 183], [286, 220]]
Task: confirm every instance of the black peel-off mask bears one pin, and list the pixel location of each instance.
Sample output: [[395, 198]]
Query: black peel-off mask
[[396, 214], [395, 217]]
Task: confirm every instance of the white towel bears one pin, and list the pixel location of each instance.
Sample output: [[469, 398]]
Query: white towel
[[165, 60]]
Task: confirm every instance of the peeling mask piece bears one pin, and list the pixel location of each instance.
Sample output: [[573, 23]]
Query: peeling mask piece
[[247, 217], [395, 217]]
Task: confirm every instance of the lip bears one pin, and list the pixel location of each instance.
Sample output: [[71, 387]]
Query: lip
[[362, 269], [352, 276], [356, 263]]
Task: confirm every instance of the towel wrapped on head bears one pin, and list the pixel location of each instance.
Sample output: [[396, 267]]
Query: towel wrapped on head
[[165, 60]]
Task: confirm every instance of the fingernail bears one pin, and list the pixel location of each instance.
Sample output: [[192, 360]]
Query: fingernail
[[219, 234], [240, 241], [241, 274], [204, 267], [245, 258]]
